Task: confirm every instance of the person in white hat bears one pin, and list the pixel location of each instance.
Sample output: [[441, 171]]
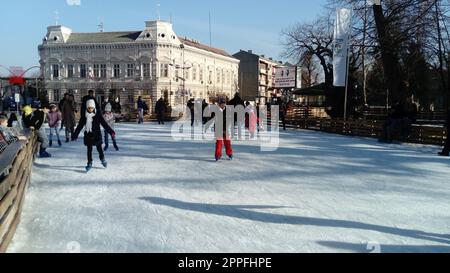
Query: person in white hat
[[91, 121]]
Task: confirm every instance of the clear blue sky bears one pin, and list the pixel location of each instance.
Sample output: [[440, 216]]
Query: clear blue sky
[[236, 24]]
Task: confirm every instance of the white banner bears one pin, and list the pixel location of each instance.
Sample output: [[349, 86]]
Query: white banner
[[286, 77], [341, 46]]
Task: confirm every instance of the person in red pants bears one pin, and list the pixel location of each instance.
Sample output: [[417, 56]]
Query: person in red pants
[[223, 134]]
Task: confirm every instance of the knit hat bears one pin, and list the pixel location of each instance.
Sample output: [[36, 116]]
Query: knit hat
[[108, 107], [90, 104], [27, 110], [221, 100]]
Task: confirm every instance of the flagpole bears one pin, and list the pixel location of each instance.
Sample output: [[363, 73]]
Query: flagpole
[[347, 74], [346, 83]]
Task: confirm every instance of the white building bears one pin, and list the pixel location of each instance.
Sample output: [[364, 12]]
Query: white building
[[151, 63]]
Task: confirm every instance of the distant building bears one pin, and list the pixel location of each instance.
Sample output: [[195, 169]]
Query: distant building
[[152, 63], [256, 76]]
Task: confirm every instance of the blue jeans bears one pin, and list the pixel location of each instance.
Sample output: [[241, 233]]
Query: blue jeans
[[56, 133], [107, 139]]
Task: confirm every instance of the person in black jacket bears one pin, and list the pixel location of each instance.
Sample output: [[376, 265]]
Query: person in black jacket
[[191, 107], [91, 121], [239, 120], [60, 107], [90, 96], [160, 110], [35, 122], [223, 124], [446, 150]]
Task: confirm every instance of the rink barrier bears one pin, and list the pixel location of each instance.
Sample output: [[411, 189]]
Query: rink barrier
[[16, 163], [420, 134]]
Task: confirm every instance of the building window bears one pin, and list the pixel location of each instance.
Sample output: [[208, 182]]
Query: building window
[[70, 71], [103, 71], [96, 70], [146, 68], [223, 76], [164, 71], [56, 71], [218, 75], [200, 76], [130, 70], [56, 95], [186, 74], [210, 76], [83, 71], [194, 73], [116, 71]]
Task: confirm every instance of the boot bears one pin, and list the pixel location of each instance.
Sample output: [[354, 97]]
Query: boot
[[89, 167], [59, 143], [105, 163], [50, 143], [44, 154], [116, 147], [106, 148], [67, 140]]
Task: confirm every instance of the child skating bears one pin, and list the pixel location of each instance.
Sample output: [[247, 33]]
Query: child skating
[[54, 120], [91, 121], [223, 131], [110, 118]]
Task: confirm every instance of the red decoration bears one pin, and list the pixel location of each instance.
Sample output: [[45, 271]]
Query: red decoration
[[15, 80]]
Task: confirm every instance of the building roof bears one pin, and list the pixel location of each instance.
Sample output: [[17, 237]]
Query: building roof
[[204, 47], [260, 57], [316, 90], [103, 37], [131, 36]]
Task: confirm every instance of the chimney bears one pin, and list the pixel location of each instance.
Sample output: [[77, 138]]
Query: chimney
[[250, 51]]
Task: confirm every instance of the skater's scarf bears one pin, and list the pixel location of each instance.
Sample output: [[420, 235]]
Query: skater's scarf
[[89, 119]]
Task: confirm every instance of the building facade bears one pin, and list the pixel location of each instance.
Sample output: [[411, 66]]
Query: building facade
[[256, 76], [152, 63]]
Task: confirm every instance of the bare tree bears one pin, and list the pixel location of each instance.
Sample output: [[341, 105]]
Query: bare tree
[[306, 41]]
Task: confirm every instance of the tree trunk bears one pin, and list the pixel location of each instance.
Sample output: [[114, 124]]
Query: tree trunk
[[391, 67]]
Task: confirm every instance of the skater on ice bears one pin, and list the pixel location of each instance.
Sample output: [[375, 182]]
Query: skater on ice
[[54, 120], [223, 124], [110, 118], [68, 115], [91, 121], [160, 110], [35, 121], [251, 119]]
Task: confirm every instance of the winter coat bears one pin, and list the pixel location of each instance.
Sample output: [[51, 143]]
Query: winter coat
[[160, 106], [93, 138], [61, 105], [110, 118], [223, 129], [140, 104], [68, 111], [37, 119], [54, 119], [251, 119]]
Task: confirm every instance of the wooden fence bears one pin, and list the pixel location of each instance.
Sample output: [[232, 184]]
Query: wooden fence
[[15, 166], [423, 134]]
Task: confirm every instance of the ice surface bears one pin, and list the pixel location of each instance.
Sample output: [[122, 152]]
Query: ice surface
[[317, 193]]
